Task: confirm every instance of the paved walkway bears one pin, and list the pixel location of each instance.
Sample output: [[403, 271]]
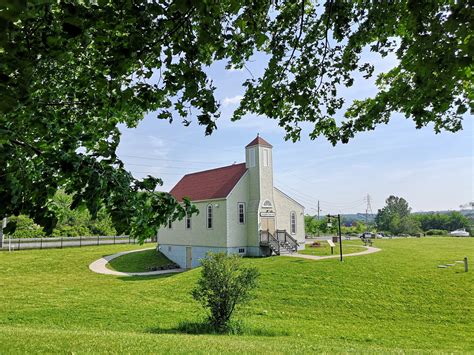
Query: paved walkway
[[369, 250], [99, 267]]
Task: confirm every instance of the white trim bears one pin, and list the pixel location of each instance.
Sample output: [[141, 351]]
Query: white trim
[[292, 199], [208, 200]]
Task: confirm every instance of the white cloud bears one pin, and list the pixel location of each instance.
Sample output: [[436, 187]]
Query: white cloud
[[232, 100]]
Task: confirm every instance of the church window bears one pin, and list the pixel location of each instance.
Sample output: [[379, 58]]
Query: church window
[[251, 157], [188, 221], [293, 222], [267, 204], [209, 216], [241, 212], [266, 157]]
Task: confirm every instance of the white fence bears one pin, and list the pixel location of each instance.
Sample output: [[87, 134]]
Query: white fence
[[64, 242]]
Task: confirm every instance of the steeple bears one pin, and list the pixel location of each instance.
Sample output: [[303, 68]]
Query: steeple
[[259, 141], [259, 162]]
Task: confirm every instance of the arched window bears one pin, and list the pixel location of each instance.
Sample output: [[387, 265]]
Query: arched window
[[210, 216], [293, 222], [267, 204]]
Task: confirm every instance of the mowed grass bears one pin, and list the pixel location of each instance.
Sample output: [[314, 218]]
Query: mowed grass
[[141, 261], [391, 301], [348, 247]]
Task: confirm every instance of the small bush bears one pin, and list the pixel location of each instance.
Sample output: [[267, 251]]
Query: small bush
[[436, 232], [223, 284]]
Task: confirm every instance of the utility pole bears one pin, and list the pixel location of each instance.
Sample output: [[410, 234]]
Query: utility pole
[[318, 219]]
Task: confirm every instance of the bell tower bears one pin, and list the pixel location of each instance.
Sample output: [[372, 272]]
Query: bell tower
[[259, 162]]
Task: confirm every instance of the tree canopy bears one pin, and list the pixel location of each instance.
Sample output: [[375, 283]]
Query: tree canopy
[[71, 71], [395, 217]]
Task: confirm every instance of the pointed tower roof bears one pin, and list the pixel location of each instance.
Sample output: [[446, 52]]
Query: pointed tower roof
[[259, 141]]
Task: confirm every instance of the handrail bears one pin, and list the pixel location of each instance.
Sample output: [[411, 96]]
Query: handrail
[[268, 238], [287, 238]]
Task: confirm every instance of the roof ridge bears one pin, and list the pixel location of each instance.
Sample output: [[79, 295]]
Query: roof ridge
[[214, 169]]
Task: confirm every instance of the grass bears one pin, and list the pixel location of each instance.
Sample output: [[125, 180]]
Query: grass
[[348, 247], [396, 300], [142, 261]]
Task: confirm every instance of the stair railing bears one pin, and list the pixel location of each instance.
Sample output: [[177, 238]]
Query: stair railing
[[284, 237], [267, 238]]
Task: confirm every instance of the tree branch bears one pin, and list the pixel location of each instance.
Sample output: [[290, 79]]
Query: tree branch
[[326, 43], [297, 39], [26, 145]]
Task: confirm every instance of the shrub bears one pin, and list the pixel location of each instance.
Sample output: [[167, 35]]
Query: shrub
[[436, 232], [23, 227], [223, 284]]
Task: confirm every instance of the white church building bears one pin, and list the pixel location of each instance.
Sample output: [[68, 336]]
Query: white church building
[[240, 211]]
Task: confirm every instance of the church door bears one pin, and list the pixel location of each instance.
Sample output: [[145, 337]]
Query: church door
[[268, 223]]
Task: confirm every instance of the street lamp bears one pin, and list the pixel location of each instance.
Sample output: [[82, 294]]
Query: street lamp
[[339, 225]]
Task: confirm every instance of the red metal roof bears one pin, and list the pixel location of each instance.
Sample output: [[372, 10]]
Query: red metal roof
[[259, 141], [209, 184]]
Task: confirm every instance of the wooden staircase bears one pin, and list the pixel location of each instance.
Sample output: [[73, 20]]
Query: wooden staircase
[[281, 243]]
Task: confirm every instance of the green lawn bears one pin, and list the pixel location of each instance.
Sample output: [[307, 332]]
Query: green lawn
[[348, 247], [139, 262], [391, 301]]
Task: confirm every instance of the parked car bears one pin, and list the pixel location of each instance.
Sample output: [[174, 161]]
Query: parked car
[[367, 235], [459, 233]]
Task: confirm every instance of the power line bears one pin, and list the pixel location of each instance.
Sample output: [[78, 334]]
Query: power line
[[159, 167], [174, 160], [332, 205]]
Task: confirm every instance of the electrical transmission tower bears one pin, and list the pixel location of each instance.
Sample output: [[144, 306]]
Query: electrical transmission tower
[[368, 210]]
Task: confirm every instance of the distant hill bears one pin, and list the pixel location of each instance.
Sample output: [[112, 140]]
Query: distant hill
[[467, 213], [349, 218], [353, 217]]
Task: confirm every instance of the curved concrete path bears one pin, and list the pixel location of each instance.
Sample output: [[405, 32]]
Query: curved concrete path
[[99, 267], [369, 250]]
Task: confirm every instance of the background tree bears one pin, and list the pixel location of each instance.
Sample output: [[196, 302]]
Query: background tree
[[72, 71], [223, 284], [71, 223], [395, 217], [443, 221]]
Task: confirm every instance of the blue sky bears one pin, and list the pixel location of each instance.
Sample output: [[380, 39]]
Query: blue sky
[[431, 171]]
